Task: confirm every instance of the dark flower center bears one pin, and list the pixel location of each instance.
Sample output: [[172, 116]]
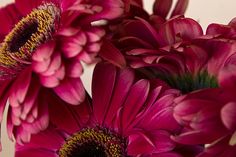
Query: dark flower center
[[93, 142], [27, 35], [187, 82], [22, 37]]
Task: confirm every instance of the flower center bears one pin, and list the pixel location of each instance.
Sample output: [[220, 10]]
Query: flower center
[[93, 142], [28, 34], [187, 82]]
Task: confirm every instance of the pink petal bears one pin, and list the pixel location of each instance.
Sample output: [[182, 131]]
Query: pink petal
[[35, 153], [71, 90], [107, 9], [228, 115], [10, 15], [53, 80], [162, 7], [162, 141], [74, 68], [134, 102], [44, 52], [39, 67], [148, 33], [169, 154], [124, 80], [30, 99], [193, 137], [68, 31], [20, 88], [180, 7], [110, 53], [227, 77], [54, 140], [72, 46], [178, 29], [221, 51], [102, 89], [139, 143], [56, 62], [95, 34], [74, 116]]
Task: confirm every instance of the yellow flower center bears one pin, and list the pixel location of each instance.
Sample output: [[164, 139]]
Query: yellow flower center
[[93, 142], [28, 34]]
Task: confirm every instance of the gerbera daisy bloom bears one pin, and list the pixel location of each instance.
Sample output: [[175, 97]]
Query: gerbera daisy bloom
[[208, 117], [128, 117], [137, 30], [42, 46]]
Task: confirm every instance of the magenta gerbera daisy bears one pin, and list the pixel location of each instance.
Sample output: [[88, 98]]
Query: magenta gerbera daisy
[[128, 117], [42, 46], [208, 117]]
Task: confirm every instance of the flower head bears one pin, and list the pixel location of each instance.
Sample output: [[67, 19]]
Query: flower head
[[116, 122], [35, 65], [208, 119]]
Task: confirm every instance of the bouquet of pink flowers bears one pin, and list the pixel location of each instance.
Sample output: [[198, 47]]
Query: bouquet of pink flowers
[[160, 86]]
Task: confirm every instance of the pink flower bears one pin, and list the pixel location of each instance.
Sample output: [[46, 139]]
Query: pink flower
[[176, 51], [128, 117], [208, 117], [42, 55]]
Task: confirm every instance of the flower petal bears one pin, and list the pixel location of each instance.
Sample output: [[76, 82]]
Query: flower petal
[[180, 7], [71, 90], [102, 89], [162, 7], [35, 153], [110, 53], [228, 115], [134, 102]]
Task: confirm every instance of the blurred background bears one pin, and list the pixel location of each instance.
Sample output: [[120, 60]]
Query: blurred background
[[203, 11]]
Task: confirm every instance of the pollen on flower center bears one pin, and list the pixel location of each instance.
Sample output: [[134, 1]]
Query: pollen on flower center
[[28, 34], [93, 142]]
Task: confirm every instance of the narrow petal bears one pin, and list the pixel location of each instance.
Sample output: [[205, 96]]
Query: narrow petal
[[134, 102], [102, 89], [121, 89], [162, 7], [180, 7]]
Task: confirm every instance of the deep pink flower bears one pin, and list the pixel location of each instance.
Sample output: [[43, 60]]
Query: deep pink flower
[[42, 45], [208, 117], [175, 51], [128, 117]]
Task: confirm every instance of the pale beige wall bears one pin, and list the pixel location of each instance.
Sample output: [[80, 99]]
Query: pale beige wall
[[205, 11]]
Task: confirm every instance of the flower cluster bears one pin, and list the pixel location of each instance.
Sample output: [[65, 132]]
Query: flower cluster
[[160, 87]]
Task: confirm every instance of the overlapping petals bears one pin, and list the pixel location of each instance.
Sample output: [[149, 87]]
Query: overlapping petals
[[121, 104], [55, 66], [208, 118]]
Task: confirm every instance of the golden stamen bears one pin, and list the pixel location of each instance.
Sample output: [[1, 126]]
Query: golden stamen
[[112, 145], [28, 34]]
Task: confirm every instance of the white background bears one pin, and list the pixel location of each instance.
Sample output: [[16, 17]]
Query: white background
[[204, 11]]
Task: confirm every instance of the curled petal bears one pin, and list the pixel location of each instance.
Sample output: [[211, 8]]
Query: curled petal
[[228, 115]]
